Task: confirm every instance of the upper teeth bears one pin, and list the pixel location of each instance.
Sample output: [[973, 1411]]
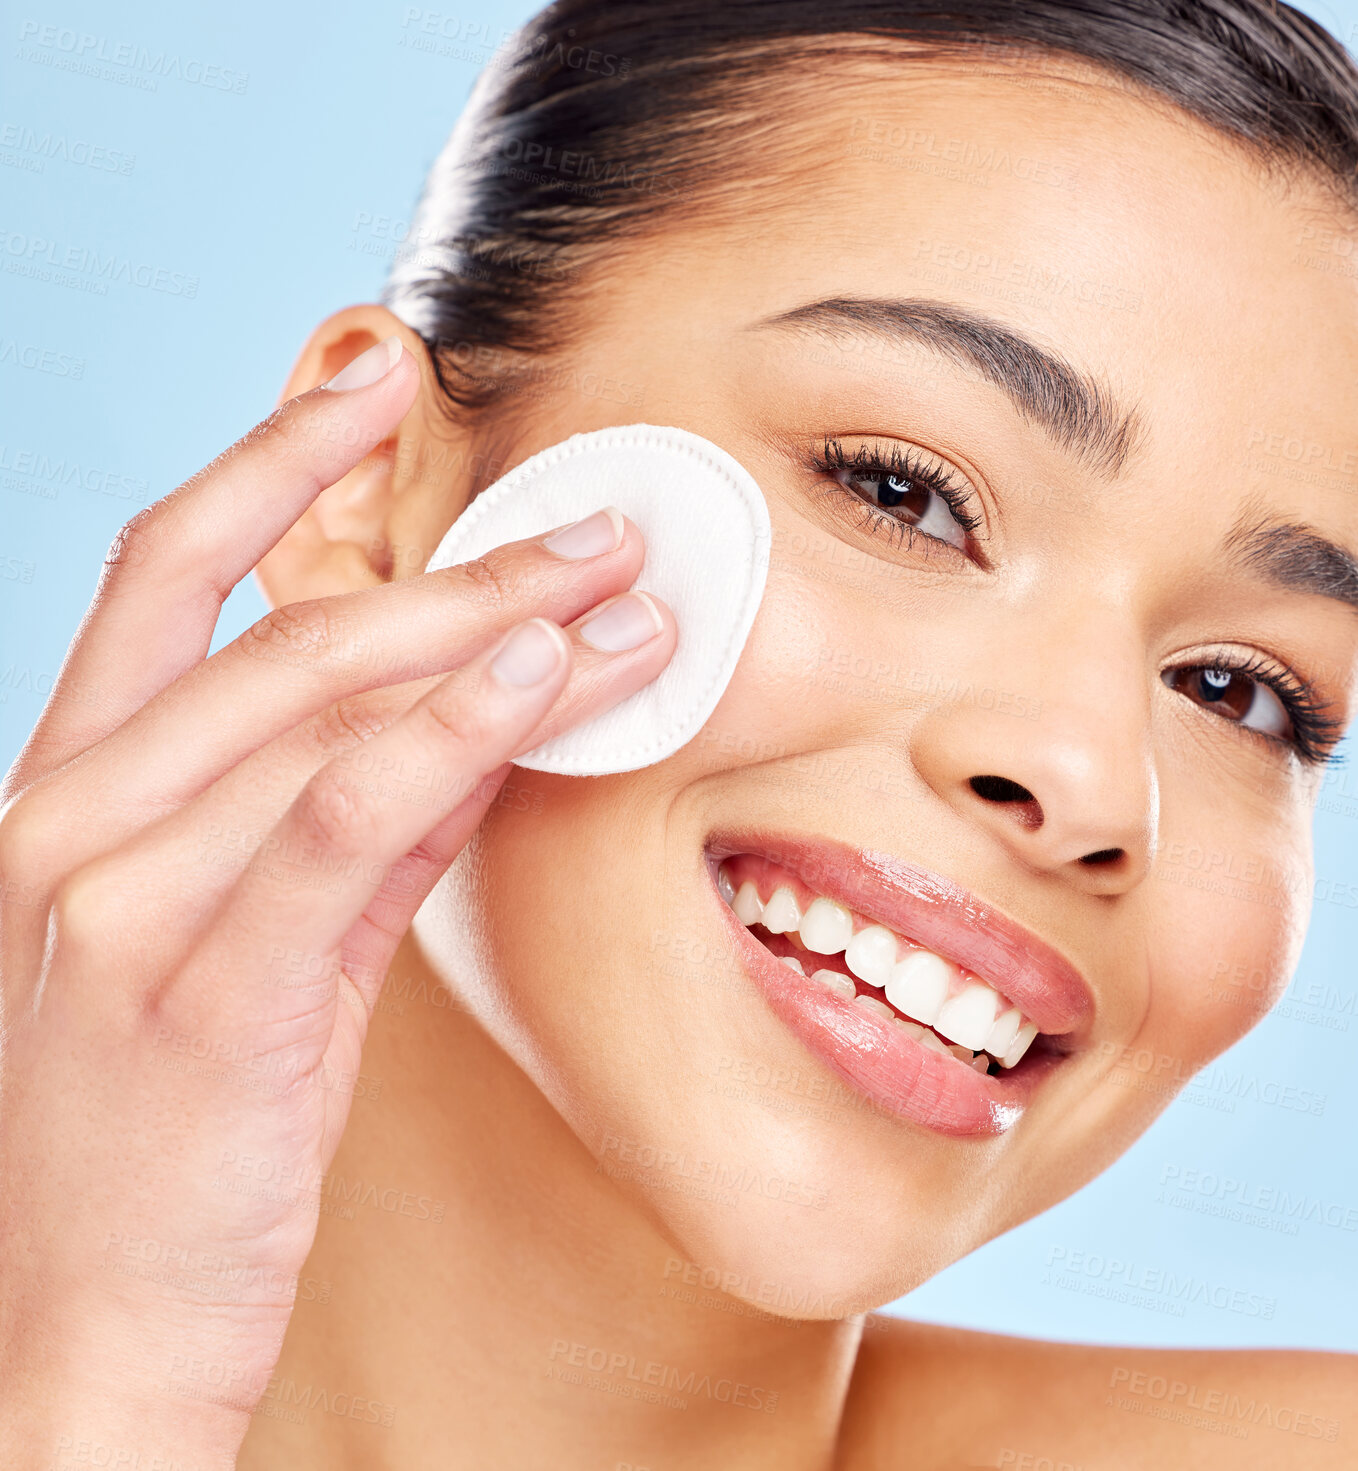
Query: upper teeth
[[918, 984], [746, 904], [781, 913], [826, 927], [871, 954], [960, 1007]]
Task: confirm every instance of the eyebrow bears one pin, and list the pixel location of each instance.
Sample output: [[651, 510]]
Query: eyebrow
[[1077, 411], [1295, 557]]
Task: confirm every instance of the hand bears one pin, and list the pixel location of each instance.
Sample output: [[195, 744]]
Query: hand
[[201, 895]]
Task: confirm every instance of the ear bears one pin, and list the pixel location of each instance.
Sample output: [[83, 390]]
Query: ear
[[382, 521]]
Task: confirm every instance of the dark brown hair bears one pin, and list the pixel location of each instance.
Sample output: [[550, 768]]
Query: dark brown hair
[[599, 115]]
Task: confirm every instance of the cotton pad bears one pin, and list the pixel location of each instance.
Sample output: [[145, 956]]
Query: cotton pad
[[707, 556]]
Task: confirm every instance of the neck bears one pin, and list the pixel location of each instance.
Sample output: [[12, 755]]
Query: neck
[[480, 1293]]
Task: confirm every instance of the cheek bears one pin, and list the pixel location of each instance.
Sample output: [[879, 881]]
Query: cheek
[[1226, 921], [848, 647], [770, 701], [813, 663]]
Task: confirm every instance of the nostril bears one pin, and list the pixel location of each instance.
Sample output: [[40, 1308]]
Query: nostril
[[1104, 855], [1000, 789]]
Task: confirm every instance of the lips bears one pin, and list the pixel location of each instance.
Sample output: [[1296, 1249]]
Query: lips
[[881, 1054]]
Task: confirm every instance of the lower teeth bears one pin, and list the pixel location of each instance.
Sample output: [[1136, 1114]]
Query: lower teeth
[[837, 981]]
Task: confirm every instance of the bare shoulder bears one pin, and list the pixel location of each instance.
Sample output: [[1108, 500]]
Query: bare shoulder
[[945, 1398]]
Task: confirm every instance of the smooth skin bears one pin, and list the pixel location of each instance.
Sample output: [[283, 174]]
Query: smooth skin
[[563, 999]]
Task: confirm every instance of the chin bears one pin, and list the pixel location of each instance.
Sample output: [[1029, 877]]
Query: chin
[[813, 1067]]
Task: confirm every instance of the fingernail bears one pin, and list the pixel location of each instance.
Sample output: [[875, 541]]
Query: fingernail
[[625, 623], [368, 366], [532, 653], [591, 537]]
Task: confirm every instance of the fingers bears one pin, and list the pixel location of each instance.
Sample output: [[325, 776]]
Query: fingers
[[192, 857], [304, 657], [638, 634], [620, 646], [171, 567], [355, 832], [367, 949]]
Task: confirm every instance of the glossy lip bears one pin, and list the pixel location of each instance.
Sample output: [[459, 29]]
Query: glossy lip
[[936, 913], [875, 1055]]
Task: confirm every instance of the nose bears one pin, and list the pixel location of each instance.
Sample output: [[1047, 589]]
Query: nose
[[1061, 774]]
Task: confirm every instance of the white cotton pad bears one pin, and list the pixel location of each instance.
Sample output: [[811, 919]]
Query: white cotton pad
[[707, 556]]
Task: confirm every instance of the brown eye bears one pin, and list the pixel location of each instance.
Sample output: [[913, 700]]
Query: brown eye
[[1234, 696], [911, 500]]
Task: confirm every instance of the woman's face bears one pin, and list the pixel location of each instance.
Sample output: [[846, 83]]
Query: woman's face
[[1133, 874]]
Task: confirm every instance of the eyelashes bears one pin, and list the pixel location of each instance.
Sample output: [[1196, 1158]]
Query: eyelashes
[[1314, 731], [913, 500], [907, 481]]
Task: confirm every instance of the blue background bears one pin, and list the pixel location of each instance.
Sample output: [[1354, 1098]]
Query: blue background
[[262, 181]]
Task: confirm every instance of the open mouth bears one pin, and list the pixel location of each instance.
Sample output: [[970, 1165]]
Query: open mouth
[[937, 1008], [940, 1005]]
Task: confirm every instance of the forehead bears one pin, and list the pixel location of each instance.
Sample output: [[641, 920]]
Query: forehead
[[1217, 297]]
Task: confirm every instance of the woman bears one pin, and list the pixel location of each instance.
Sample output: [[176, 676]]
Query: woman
[[1005, 307]]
